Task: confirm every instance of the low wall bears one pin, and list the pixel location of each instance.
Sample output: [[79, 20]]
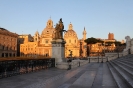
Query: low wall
[[125, 53], [72, 64], [113, 55], [97, 59], [77, 63]]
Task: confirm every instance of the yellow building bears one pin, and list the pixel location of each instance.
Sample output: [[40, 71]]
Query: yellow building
[[101, 48], [41, 46], [8, 43]]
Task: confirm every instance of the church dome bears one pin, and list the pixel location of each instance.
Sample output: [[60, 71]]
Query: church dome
[[49, 28], [70, 32]]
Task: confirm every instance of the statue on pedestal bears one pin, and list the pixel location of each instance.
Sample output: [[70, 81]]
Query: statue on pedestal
[[128, 43], [58, 46], [59, 29]]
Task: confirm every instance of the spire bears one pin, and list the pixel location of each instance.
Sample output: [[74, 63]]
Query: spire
[[84, 32], [50, 17], [70, 26], [37, 32]]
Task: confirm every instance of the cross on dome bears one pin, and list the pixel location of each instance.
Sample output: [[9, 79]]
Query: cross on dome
[[70, 26]]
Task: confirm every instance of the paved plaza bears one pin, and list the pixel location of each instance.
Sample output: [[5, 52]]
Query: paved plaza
[[91, 75]]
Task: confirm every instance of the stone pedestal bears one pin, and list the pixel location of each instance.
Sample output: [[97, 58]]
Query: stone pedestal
[[58, 52]]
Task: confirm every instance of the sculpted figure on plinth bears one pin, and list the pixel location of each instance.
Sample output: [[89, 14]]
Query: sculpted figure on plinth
[[59, 29], [128, 44]]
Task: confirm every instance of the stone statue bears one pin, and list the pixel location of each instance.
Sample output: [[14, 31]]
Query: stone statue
[[128, 44], [59, 29]]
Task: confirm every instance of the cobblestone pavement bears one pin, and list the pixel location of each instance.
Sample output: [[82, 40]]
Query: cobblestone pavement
[[92, 75]]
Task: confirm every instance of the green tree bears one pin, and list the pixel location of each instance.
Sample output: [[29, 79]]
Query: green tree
[[91, 41]]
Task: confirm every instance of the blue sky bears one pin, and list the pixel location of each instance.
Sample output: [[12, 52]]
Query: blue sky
[[99, 17]]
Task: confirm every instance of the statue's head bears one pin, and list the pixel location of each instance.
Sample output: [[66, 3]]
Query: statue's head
[[127, 38], [61, 19]]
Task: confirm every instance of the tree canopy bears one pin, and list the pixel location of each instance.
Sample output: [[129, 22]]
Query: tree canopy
[[93, 40]]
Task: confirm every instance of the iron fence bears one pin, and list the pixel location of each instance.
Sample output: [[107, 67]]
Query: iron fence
[[15, 67]]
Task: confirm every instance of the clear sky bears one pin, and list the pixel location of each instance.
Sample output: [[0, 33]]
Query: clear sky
[[99, 17]]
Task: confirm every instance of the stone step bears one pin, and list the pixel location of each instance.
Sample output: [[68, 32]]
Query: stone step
[[124, 67], [126, 58], [117, 77], [130, 58], [128, 66], [125, 75], [126, 62], [104, 78]]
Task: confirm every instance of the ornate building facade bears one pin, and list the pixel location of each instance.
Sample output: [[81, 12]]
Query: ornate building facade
[[8, 43], [41, 44], [98, 48]]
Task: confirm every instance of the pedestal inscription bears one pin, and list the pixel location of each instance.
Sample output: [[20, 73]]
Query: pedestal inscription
[[58, 50]]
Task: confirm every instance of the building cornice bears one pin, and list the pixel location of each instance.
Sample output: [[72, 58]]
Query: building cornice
[[8, 33]]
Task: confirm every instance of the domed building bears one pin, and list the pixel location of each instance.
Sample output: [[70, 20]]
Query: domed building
[[72, 43], [41, 46]]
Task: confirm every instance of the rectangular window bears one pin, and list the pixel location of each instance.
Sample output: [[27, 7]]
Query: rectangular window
[[46, 41]]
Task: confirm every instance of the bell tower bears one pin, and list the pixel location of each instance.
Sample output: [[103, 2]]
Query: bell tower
[[84, 44], [84, 34], [49, 24], [36, 36]]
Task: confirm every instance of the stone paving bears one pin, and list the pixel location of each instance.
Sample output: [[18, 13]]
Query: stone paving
[[92, 75]]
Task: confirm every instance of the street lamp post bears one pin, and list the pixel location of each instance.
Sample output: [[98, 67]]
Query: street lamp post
[[103, 53], [98, 51], [98, 56], [70, 60], [118, 52], [102, 58], [107, 59]]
